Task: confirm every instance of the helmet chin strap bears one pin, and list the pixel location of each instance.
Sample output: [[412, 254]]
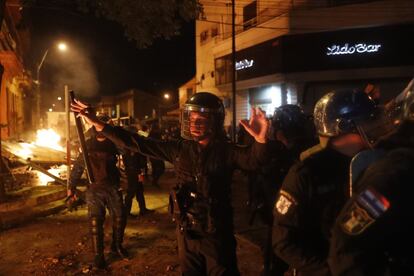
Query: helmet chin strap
[[364, 136]]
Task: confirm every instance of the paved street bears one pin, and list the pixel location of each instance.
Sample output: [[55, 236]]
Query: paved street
[[59, 244]]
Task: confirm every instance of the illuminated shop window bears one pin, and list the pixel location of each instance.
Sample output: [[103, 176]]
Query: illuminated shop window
[[291, 97], [267, 98]]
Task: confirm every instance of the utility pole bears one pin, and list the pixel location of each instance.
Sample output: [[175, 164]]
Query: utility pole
[[2, 188], [38, 96], [68, 148], [233, 62]]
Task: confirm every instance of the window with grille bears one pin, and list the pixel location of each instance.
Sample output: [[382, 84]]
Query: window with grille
[[203, 36], [214, 32], [250, 15]]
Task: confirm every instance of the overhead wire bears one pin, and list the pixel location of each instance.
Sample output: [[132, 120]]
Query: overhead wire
[[304, 8], [288, 15]]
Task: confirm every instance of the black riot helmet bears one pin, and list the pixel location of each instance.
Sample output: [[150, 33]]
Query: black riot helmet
[[209, 106], [401, 108], [294, 124], [288, 116], [290, 119], [349, 111]]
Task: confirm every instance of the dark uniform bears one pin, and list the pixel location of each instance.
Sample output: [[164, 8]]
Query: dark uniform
[[245, 139], [315, 189], [103, 193], [201, 199], [373, 234], [310, 198], [135, 164], [269, 180]]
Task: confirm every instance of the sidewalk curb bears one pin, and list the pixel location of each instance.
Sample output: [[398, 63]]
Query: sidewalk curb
[[31, 207], [32, 201], [12, 219]]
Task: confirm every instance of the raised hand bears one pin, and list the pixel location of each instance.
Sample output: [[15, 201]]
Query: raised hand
[[257, 126], [84, 110]]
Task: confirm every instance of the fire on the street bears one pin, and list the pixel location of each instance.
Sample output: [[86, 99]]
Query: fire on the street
[[48, 138], [25, 150], [59, 171]]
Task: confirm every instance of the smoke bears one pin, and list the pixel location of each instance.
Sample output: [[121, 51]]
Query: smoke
[[75, 69]]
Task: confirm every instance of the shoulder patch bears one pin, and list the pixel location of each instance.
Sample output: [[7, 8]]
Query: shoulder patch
[[365, 210], [284, 202]]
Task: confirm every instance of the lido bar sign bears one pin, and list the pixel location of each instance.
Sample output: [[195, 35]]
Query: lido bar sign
[[243, 64], [349, 49]]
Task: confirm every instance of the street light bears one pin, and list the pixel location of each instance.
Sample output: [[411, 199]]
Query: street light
[[166, 105], [62, 47]]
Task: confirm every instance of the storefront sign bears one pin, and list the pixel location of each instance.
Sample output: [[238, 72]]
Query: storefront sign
[[321, 51], [349, 49], [243, 64]]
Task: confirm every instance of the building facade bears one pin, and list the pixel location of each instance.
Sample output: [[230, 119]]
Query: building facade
[[16, 90], [133, 103], [185, 91], [296, 51]]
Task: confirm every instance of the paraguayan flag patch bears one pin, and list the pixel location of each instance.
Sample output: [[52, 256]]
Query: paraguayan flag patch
[[368, 206]]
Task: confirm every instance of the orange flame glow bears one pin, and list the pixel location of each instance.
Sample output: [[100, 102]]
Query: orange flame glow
[[48, 138]]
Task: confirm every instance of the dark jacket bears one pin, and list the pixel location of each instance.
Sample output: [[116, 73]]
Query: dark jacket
[[103, 159], [134, 162], [373, 234], [311, 196], [204, 173]]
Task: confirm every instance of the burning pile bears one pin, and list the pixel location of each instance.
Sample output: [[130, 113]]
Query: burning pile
[[46, 148], [45, 155], [48, 138]]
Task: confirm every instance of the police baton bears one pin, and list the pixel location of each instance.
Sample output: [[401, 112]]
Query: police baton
[[81, 136]]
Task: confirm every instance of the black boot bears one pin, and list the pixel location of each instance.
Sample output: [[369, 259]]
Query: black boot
[[118, 228], [96, 229], [128, 204], [141, 201]]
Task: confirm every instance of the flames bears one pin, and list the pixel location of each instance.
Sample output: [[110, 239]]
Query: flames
[[45, 149], [48, 138], [59, 171], [25, 150]]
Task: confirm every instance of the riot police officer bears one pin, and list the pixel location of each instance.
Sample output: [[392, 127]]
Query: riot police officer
[[291, 133], [314, 189], [203, 161], [373, 234], [101, 194]]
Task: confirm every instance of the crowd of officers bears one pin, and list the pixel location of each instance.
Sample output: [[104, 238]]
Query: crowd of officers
[[333, 188]]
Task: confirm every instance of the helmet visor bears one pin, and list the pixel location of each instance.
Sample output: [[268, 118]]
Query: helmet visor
[[195, 123], [380, 125]]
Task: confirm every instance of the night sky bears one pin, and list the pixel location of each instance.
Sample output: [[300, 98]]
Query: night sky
[[101, 60]]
